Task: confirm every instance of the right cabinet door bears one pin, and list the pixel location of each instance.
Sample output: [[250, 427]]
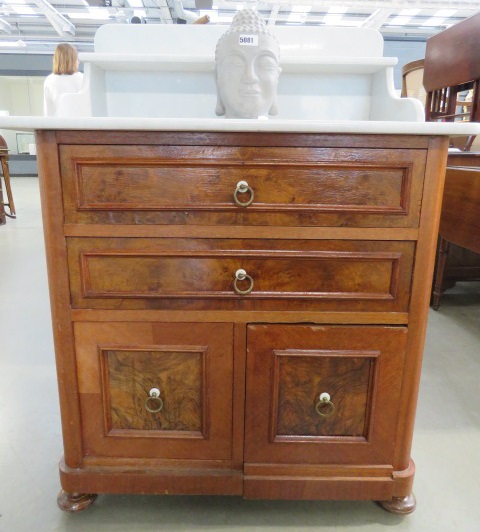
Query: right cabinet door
[[323, 394]]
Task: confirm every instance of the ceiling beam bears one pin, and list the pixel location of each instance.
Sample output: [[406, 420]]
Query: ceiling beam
[[62, 25], [377, 19], [274, 14], [5, 27]]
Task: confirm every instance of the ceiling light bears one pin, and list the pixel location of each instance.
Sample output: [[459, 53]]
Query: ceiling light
[[399, 21], [19, 7], [335, 15], [90, 14], [13, 44]]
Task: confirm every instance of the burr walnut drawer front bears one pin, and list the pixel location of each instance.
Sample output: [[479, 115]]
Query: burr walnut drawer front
[[348, 187], [323, 394], [172, 273], [156, 390]]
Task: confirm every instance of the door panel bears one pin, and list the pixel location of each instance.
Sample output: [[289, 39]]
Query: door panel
[[191, 367], [290, 367]]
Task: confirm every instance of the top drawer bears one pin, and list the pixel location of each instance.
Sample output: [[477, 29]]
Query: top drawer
[[291, 186]]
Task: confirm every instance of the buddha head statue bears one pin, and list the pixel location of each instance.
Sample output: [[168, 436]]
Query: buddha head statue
[[246, 68]]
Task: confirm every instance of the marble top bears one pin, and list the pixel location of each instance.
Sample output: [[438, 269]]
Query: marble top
[[26, 123]]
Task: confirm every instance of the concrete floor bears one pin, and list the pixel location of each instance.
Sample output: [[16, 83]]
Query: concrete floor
[[446, 445]]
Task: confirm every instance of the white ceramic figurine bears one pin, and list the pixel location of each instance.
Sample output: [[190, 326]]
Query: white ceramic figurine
[[247, 68]]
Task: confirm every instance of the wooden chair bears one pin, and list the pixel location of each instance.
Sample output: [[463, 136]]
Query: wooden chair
[[412, 81], [451, 67], [412, 87], [8, 190]]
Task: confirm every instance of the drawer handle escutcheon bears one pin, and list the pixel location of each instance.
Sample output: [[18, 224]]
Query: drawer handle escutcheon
[[328, 406], [242, 187], [154, 403], [241, 275]]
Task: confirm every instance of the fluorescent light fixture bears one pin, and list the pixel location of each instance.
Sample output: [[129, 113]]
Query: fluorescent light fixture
[[13, 44], [301, 9], [409, 12], [90, 14], [298, 14], [399, 21], [439, 17], [335, 15], [20, 7], [444, 13], [337, 10], [332, 20], [298, 18]]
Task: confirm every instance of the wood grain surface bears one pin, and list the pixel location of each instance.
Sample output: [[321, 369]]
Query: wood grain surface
[[180, 377]]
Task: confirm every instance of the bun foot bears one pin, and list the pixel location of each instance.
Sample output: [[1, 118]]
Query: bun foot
[[74, 502], [400, 505]]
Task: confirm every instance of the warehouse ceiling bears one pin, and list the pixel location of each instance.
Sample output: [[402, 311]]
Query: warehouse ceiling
[[36, 26]]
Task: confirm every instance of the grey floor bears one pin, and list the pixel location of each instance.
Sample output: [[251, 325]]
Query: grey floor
[[446, 446]]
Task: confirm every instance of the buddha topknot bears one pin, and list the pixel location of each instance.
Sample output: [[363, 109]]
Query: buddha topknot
[[247, 21]]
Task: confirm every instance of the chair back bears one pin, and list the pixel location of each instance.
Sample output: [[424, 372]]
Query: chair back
[[452, 66], [412, 81]]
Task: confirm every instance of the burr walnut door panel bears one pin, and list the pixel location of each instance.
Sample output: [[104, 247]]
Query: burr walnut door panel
[[154, 390], [291, 369], [304, 186]]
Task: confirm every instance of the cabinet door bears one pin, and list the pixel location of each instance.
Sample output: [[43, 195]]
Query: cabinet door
[[290, 366], [122, 365]]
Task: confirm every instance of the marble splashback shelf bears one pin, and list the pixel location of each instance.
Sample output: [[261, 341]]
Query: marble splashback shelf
[[162, 77]]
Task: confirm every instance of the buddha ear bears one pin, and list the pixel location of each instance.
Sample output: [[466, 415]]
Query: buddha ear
[[219, 108], [274, 109]]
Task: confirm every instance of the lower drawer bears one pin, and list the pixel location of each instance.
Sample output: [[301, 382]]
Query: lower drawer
[[172, 273], [155, 390]]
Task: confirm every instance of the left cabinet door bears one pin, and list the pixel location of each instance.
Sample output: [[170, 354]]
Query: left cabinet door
[[155, 390]]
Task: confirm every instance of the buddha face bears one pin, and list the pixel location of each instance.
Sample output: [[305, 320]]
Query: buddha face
[[247, 74]]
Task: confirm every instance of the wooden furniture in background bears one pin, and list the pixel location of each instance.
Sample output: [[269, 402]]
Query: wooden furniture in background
[[8, 189], [412, 81], [452, 65], [239, 313], [459, 224]]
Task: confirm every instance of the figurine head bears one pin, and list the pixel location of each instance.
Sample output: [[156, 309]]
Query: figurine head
[[246, 68]]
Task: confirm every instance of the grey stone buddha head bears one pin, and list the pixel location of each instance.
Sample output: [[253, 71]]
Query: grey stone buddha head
[[247, 68]]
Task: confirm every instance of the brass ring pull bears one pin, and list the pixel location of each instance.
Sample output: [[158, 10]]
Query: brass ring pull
[[154, 403], [327, 406], [242, 275], [242, 188]]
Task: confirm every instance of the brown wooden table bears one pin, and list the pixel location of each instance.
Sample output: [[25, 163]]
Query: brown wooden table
[[459, 224], [8, 191]]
